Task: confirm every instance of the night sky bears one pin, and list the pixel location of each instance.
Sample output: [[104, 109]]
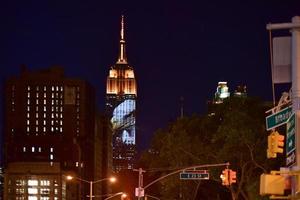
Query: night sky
[[176, 48]]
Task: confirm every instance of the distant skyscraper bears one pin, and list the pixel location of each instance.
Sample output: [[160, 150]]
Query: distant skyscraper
[[221, 93], [121, 94], [241, 91]]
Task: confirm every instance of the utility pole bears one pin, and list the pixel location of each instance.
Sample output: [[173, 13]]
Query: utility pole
[[140, 189], [294, 28]]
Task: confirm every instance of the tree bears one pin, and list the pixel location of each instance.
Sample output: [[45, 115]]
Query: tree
[[232, 132]]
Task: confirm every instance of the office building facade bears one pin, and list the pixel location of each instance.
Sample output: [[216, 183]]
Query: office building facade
[[51, 119]]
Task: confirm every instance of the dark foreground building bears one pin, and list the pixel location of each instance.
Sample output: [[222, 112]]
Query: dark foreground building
[[121, 94], [51, 130]]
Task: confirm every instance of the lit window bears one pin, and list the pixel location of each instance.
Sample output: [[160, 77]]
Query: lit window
[[28, 94], [32, 190], [52, 88], [60, 129], [51, 149], [44, 129], [32, 197], [28, 115], [45, 191], [45, 109], [45, 88], [77, 164], [45, 183], [28, 101], [52, 102], [24, 149], [28, 108], [36, 108], [40, 149], [61, 109], [57, 88], [37, 88], [51, 156], [36, 122], [55, 191], [61, 116], [27, 122], [44, 101], [27, 128], [37, 95], [52, 95], [44, 115], [60, 122], [32, 149], [37, 102], [32, 182], [37, 115], [28, 88], [52, 115], [52, 129], [61, 88], [52, 122], [44, 122], [45, 95]]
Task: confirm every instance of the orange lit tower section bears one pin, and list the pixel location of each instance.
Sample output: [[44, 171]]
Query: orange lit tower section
[[121, 96]]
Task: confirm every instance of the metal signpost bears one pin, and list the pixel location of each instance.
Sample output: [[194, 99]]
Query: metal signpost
[[194, 175], [279, 118], [291, 141]]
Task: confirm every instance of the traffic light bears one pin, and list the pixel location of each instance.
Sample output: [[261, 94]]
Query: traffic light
[[279, 143], [225, 177], [271, 144], [232, 177], [275, 144]]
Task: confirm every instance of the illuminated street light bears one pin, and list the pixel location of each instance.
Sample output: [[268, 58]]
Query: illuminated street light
[[110, 179], [123, 195]]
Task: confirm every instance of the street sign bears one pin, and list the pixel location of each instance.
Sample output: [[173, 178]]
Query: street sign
[[194, 175], [279, 118], [139, 192], [291, 141]]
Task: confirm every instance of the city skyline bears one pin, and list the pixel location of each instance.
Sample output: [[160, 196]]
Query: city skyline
[[177, 49]]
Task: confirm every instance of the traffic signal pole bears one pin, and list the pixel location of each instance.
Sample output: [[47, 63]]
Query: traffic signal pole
[[294, 27]]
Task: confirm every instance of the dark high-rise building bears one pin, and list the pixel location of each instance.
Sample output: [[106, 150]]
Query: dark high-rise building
[[50, 123], [121, 94]]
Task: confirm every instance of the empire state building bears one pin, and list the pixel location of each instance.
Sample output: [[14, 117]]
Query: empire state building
[[121, 94]]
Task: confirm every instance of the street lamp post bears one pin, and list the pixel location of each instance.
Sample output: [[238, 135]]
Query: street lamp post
[[111, 179]]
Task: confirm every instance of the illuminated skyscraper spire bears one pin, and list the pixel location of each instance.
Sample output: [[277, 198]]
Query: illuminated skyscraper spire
[[122, 56]]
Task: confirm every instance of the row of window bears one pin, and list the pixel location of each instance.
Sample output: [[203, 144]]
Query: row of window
[[37, 149], [53, 88]]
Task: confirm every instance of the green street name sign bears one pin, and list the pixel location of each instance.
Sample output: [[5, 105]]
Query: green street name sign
[[290, 134], [279, 118], [291, 141]]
